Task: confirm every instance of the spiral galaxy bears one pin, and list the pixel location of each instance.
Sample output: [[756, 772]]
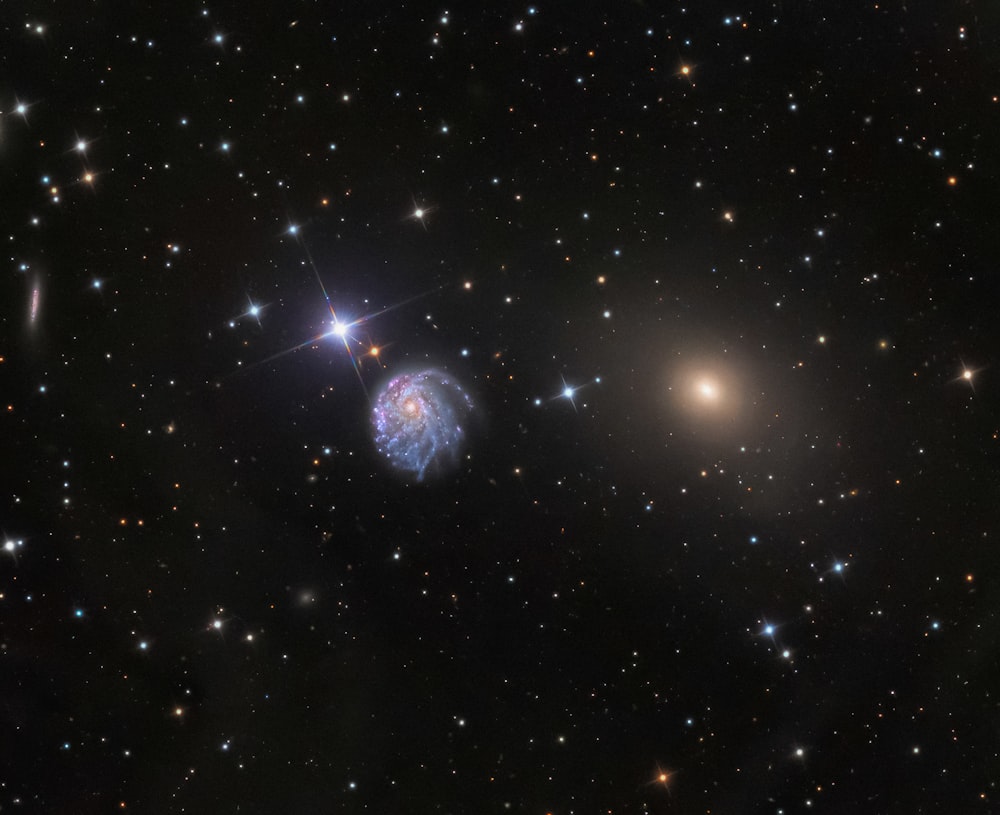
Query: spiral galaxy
[[418, 421]]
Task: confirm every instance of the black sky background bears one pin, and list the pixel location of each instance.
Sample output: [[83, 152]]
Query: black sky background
[[583, 603]]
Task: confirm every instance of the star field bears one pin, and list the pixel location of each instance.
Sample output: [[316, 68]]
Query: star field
[[524, 409]]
